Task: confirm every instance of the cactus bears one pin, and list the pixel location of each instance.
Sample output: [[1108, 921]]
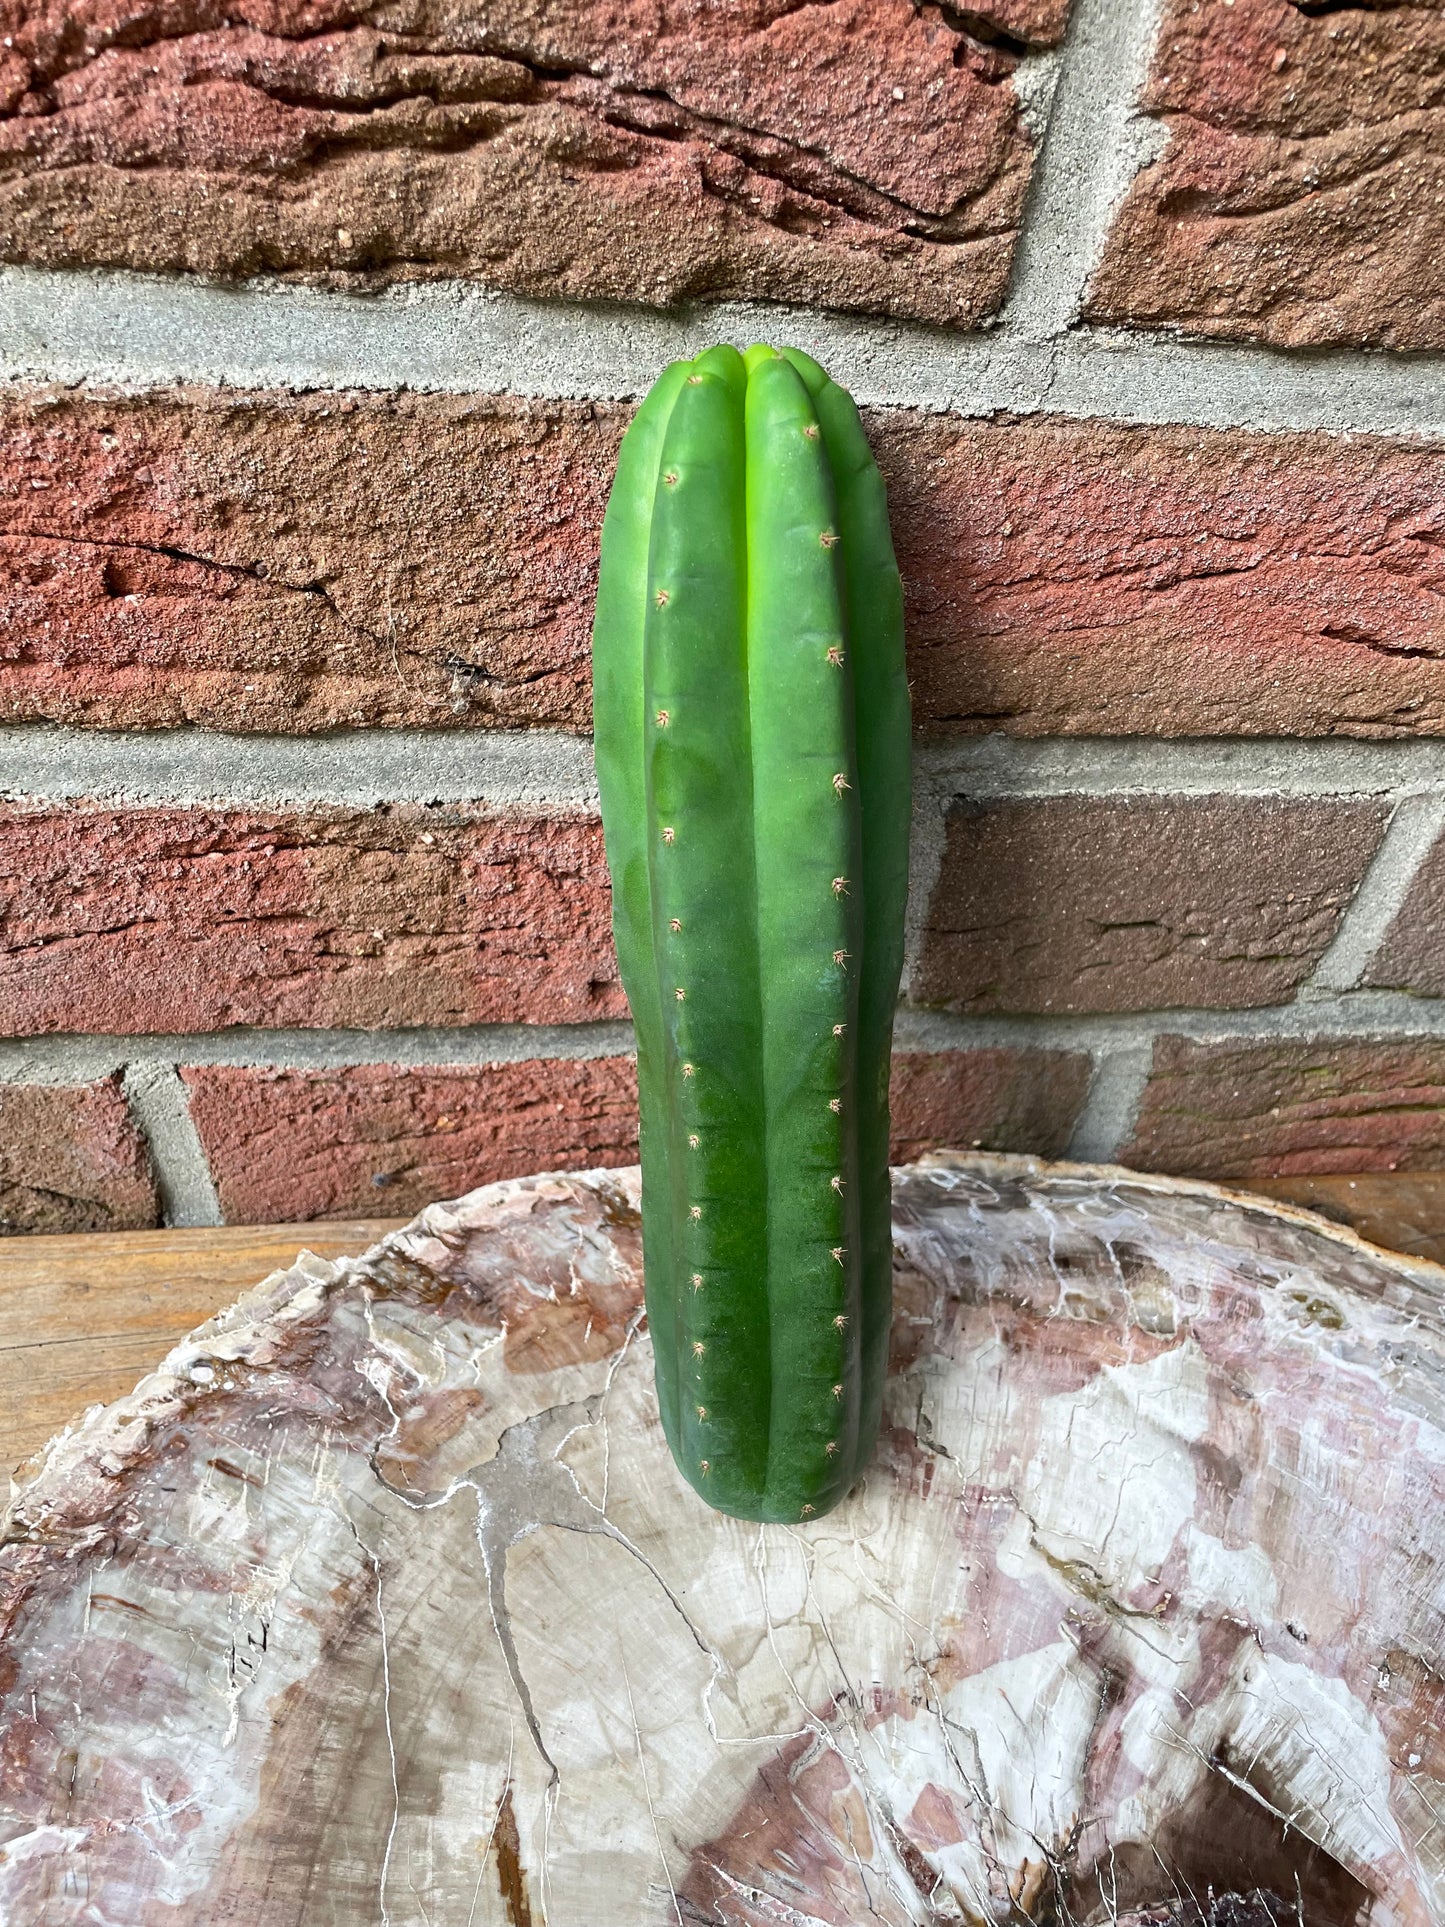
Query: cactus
[[752, 734]]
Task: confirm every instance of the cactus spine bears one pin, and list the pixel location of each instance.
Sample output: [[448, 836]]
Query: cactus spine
[[752, 734]]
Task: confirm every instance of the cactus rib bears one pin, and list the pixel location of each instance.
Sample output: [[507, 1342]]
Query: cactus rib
[[757, 835]]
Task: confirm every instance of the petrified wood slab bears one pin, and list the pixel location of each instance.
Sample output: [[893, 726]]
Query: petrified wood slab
[[381, 1602]]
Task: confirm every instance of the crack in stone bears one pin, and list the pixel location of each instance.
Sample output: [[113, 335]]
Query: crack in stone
[[239, 571], [524, 1487], [869, 202], [843, 191], [374, 1560]]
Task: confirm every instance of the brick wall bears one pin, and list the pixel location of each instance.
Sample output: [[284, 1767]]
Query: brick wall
[[319, 325]]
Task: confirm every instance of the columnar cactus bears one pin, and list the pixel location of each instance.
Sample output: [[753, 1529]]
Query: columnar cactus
[[752, 733]]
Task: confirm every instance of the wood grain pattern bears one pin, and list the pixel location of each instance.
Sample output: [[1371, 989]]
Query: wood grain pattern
[[1401, 1210], [82, 1318], [382, 1601]]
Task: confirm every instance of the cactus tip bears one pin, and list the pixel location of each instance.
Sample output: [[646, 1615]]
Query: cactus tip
[[671, 478], [840, 1323], [841, 783], [697, 1281], [702, 1411], [680, 994], [837, 1252], [675, 923], [694, 381], [840, 956], [693, 1139], [835, 654], [698, 1348], [703, 1467], [806, 1510], [835, 1103], [836, 1182], [840, 886], [662, 719], [810, 429], [687, 1070], [838, 1029], [695, 1212], [837, 1391], [831, 1447], [668, 834], [662, 598], [829, 540]]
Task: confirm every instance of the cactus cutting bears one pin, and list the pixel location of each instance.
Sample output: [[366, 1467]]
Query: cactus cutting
[[752, 730]]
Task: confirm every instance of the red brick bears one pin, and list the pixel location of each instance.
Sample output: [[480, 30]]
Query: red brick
[[1086, 578], [1301, 197], [137, 920], [272, 562], [1410, 957], [288, 563], [1138, 903], [72, 1160], [290, 1144], [286, 1145], [1287, 1107], [1006, 1099], [869, 155]]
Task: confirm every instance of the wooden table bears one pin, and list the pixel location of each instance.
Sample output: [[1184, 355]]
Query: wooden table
[[1403, 1211], [82, 1318]]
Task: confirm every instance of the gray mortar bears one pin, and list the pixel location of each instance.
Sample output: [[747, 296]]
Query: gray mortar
[[989, 767], [1376, 1015], [74, 1059], [1035, 82], [1094, 145], [156, 1098], [1111, 1109], [1415, 825], [1121, 1048], [136, 332], [544, 770], [554, 772]]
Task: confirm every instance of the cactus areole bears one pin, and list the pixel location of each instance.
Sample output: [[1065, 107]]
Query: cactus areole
[[752, 730]]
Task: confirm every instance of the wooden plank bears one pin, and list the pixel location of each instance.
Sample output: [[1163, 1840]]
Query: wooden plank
[[83, 1318], [1401, 1210]]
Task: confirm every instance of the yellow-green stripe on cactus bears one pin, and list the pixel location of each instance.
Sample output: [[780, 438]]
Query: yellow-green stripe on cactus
[[752, 733]]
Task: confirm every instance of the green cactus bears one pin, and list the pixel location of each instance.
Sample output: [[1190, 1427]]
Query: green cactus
[[752, 733]]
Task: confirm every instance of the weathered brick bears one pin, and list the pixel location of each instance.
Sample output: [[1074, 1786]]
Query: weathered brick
[[1139, 902], [1286, 1106], [867, 155], [72, 1160], [1088, 578], [1412, 956], [273, 562], [1301, 197], [291, 1144], [134, 920], [1006, 1099], [286, 1145]]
